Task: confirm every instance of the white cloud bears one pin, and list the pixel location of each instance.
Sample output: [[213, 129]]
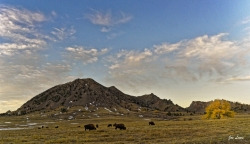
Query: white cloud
[[246, 78], [246, 20], [98, 18], [18, 27], [114, 66], [132, 69], [10, 49], [27, 75], [136, 57], [212, 55], [107, 19], [105, 29], [247, 29], [113, 35], [130, 58], [54, 13], [206, 58], [205, 46], [166, 48], [63, 33], [26, 17], [125, 18], [24, 71], [84, 55]]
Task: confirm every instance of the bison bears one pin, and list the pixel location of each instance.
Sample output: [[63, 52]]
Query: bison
[[151, 123], [96, 125], [109, 125], [89, 127], [56, 127], [114, 124], [120, 126]]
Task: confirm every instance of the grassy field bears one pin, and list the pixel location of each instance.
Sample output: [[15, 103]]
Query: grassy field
[[138, 131]]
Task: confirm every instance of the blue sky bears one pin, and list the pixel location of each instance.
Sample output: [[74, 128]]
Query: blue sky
[[179, 50]]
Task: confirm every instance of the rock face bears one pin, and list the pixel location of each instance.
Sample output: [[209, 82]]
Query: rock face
[[154, 102], [85, 92], [239, 107], [199, 106]]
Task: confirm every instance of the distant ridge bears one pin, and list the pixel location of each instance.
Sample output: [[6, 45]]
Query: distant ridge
[[199, 106], [82, 92]]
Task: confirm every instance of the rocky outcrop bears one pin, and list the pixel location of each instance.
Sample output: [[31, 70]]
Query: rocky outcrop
[[199, 106]]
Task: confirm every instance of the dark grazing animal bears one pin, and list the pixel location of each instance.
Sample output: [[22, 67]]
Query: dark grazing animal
[[96, 125], [47, 127], [39, 128], [151, 123], [79, 126], [89, 127], [114, 124], [120, 126], [109, 125], [56, 127], [42, 126]]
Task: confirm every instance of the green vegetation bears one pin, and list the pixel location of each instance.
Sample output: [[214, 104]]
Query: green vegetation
[[64, 110], [185, 129]]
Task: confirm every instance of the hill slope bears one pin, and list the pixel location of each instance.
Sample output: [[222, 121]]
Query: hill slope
[[85, 92]]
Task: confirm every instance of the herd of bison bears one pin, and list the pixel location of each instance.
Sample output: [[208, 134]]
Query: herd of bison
[[93, 127]]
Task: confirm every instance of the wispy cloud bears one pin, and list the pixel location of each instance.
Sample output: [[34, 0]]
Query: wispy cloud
[[84, 55], [106, 19], [124, 19], [54, 13], [202, 58], [98, 18], [22, 67], [246, 20], [130, 58], [105, 29], [132, 69], [166, 48], [18, 28], [209, 57], [63, 33], [114, 35], [27, 75], [247, 29], [246, 78]]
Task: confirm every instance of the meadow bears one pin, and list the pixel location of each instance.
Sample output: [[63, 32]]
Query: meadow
[[178, 131]]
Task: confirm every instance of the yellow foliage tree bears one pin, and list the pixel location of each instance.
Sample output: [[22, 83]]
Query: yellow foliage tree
[[218, 109]]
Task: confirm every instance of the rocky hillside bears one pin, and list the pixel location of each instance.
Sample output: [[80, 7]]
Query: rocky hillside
[[154, 102], [85, 92], [199, 106]]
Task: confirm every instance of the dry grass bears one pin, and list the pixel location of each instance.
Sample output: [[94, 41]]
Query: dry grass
[[138, 131]]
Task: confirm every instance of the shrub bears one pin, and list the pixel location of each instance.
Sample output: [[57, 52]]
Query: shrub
[[63, 110]]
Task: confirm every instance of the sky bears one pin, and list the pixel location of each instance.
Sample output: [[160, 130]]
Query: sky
[[180, 50]]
